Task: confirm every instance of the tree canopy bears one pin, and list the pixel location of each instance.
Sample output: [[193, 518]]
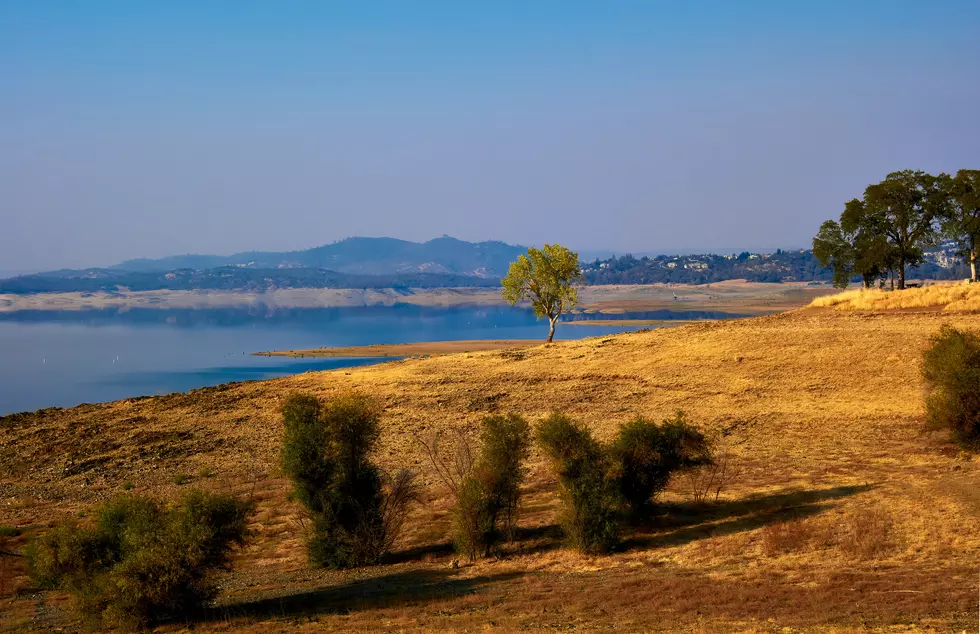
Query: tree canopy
[[835, 251], [546, 278], [961, 216], [886, 229]]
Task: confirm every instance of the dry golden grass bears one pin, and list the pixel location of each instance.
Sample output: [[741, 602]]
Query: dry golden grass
[[823, 408], [951, 297]]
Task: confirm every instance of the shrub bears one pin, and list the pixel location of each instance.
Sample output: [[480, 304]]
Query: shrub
[[951, 369], [356, 510], [589, 497], [141, 561], [499, 473], [486, 490], [473, 532], [645, 455]]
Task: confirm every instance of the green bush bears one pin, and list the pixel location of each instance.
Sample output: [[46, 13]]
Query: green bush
[[645, 455], [355, 509], [589, 497], [473, 531], [142, 561], [951, 368], [489, 495]]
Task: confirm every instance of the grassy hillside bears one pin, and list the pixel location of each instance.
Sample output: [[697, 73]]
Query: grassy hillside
[[955, 298], [846, 514]]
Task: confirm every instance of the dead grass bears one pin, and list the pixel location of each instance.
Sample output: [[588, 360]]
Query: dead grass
[[950, 297], [823, 408], [791, 535], [867, 533]]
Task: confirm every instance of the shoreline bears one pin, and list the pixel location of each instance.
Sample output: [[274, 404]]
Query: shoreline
[[734, 296], [434, 348], [659, 323], [402, 350]]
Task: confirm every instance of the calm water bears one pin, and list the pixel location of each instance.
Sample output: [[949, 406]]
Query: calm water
[[60, 359]]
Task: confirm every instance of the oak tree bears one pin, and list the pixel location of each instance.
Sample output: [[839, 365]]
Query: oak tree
[[904, 207], [961, 217]]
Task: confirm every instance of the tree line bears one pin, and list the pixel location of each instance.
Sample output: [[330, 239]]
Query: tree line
[[881, 234]]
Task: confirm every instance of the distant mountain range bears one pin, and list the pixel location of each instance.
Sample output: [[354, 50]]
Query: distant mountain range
[[351, 263], [360, 256], [227, 278], [378, 263]]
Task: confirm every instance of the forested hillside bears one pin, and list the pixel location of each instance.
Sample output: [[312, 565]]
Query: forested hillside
[[361, 256], [781, 266]]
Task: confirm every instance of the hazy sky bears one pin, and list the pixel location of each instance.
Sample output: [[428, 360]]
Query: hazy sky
[[153, 128]]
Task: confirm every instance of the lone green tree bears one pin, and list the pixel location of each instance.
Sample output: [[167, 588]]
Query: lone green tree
[[961, 217], [546, 278]]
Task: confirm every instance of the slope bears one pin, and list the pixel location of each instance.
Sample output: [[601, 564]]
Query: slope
[[846, 515]]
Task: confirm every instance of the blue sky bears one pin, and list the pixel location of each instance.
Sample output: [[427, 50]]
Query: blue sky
[[145, 129]]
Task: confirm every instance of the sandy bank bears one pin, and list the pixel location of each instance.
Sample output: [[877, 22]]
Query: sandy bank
[[428, 348]]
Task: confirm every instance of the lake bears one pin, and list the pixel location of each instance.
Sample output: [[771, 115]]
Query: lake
[[64, 358]]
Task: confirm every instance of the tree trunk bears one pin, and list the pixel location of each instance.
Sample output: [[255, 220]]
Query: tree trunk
[[901, 274], [891, 278], [973, 259], [551, 333]]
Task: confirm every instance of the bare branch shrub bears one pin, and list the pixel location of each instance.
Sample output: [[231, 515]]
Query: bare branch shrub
[[485, 490], [401, 491], [708, 481], [452, 463]]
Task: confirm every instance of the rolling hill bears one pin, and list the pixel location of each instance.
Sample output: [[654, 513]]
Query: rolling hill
[[360, 256]]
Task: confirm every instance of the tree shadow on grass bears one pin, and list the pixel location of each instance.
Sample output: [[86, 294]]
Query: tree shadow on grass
[[527, 540], [401, 588], [678, 524], [685, 523], [417, 553]]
